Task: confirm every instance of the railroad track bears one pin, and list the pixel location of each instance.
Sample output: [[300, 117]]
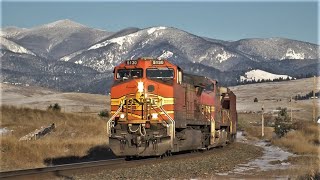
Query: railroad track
[[60, 170], [67, 171]]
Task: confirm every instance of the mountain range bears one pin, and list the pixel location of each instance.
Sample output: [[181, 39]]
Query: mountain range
[[69, 56]]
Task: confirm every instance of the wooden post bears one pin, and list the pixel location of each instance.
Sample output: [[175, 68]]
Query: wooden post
[[314, 99], [291, 108], [262, 121]]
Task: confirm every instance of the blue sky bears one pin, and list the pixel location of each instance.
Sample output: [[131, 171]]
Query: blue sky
[[230, 20]]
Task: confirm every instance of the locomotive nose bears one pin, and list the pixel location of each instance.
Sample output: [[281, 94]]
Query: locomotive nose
[[147, 87]]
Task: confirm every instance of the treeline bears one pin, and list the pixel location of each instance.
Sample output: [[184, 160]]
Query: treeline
[[263, 80], [307, 96], [309, 75], [301, 76]]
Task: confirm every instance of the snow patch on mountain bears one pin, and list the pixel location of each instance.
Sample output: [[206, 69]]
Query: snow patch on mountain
[[119, 40], [260, 74], [153, 29], [223, 56], [78, 62], [68, 57], [218, 54], [166, 55], [14, 47], [291, 54]]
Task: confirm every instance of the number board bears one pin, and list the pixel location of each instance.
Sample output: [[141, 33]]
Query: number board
[[157, 62], [132, 62]]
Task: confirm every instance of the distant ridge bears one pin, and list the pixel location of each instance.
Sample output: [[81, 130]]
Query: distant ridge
[[69, 56]]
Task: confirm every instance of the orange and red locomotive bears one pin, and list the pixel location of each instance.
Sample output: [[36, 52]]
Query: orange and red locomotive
[[156, 109]]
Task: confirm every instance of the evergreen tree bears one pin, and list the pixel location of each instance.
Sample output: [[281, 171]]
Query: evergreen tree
[[282, 123]]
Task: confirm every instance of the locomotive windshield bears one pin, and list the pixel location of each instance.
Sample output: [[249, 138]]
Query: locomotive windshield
[[129, 73], [160, 73]]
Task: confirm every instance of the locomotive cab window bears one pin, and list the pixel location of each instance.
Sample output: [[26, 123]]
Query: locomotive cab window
[[160, 73], [129, 73], [209, 87]]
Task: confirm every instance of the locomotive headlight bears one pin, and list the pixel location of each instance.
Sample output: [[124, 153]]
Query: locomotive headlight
[[140, 87], [122, 116], [154, 116]]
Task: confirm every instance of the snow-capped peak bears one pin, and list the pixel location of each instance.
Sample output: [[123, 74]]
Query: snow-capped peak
[[291, 54], [260, 74], [153, 29], [11, 31], [67, 23]]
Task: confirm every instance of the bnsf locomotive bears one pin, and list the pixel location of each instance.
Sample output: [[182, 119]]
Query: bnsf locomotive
[[157, 109]]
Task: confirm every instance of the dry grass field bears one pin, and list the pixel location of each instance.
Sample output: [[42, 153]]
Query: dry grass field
[[277, 94], [79, 130], [41, 98], [303, 141], [74, 137]]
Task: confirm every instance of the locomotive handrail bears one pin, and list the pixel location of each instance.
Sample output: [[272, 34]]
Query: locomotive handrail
[[156, 110], [227, 112], [172, 122], [110, 120]]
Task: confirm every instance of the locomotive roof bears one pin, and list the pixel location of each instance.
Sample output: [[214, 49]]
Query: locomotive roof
[[142, 59], [196, 80]]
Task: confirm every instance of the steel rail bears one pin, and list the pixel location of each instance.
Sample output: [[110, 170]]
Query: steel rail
[[59, 168]]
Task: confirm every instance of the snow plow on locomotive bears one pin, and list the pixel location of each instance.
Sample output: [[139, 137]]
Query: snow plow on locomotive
[[156, 109]]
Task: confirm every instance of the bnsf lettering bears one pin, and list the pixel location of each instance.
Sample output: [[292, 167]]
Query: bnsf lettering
[[132, 62], [159, 62], [133, 102]]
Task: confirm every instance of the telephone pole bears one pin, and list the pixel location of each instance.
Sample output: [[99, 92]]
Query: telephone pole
[[262, 121]]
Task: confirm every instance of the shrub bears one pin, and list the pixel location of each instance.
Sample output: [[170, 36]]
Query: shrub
[[310, 175], [56, 107], [104, 113], [255, 100]]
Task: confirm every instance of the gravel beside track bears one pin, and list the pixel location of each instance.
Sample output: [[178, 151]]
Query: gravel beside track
[[192, 165]]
